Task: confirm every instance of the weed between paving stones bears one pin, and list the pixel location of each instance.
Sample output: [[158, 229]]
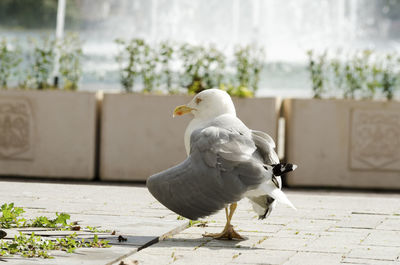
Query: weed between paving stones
[[197, 223], [36, 246]]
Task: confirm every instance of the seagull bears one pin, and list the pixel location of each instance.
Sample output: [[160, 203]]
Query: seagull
[[226, 162]]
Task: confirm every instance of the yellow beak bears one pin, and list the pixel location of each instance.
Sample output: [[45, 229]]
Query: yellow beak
[[181, 110]]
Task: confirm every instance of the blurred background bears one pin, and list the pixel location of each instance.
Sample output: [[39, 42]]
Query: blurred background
[[298, 50], [283, 32]]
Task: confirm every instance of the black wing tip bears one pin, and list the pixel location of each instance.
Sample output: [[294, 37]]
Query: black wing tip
[[282, 168]]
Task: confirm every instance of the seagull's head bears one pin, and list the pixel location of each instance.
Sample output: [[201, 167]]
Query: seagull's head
[[208, 104]]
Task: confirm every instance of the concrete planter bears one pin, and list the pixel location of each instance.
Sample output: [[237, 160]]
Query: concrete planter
[[343, 143], [47, 134], [139, 137]]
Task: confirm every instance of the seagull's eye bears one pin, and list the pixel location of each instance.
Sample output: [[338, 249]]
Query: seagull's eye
[[198, 100]]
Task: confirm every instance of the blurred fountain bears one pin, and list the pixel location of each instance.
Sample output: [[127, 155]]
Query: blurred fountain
[[285, 29], [235, 20], [59, 36]]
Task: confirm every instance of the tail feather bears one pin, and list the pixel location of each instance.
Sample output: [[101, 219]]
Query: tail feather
[[265, 197], [263, 205], [278, 195]]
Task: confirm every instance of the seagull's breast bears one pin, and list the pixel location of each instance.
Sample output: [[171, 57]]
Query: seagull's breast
[[193, 125]]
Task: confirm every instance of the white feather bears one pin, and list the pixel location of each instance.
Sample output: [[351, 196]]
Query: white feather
[[257, 208], [269, 188], [279, 196]]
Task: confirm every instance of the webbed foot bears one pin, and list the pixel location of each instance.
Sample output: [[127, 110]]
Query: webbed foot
[[227, 234]]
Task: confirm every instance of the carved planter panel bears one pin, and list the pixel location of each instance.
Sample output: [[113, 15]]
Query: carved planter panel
[[47, 134], [343, 143], [375, 140], [16, 128]]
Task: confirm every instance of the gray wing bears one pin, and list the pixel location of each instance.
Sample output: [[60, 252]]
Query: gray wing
[[219, 170], [266, 147]]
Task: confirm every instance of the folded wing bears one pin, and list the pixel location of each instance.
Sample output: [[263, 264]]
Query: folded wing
[[221, 167]]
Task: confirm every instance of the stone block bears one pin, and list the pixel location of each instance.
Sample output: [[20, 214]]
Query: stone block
[[139, 136], [48, 134], [263, 257], [383, 238], [343, 143], [314, 258], [375, 252]]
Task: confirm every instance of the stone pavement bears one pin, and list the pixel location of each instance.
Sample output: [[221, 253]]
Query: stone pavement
[[340, 227]]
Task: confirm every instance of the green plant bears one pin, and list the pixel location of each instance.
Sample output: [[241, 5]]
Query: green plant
[[248, 62], [316, 67], [165, 53], [357, 72], [42, 62], [214, 67], [336, 74], [70, 61], [10, 58], [42, 221], [130, 60], [128, 66], [39, 60], [198, 67], [71, 242], [237, 91], [96, 229], [148, 67], [203, 68], [26, 246], [389, 76], [10, 216], [36, 246], [373, 82], [192, 63], [361, 74]]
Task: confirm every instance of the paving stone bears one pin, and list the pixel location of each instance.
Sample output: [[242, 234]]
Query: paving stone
[[251, 227], [249, 242], [328, 227], [333, 243], [390, 223], [383, 238], [197, 259], [363, 221], [349, 230], [310, 224], [368, 261], [298, 233], [184, 244], [263, 257], [375, 252], [144, 258], [106, 206], [81, 256], [284, 243], [311, 258], [321, 213]]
